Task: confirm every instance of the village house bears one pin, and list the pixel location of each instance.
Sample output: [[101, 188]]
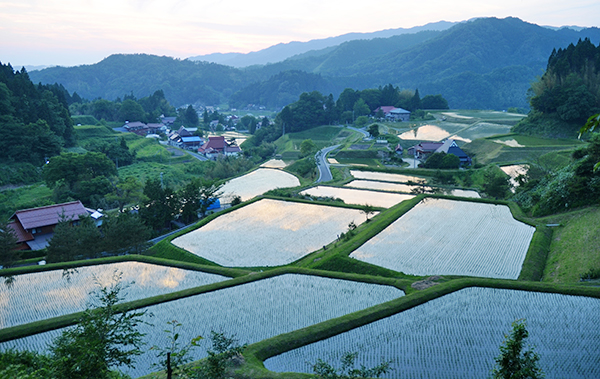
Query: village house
[[218, 145], [423, 150], [143, 129], [393, 114], [34, 227]]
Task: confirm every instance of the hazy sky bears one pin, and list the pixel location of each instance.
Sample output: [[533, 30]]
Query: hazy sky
[[73, 32]]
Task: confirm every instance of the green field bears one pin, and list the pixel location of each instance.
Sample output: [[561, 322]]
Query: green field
[[289, 144], [575, 245], [24, 197]]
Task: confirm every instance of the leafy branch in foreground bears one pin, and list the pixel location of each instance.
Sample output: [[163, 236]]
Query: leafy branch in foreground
[[102, 339], [324, 370], [513, 362], [175, 356]]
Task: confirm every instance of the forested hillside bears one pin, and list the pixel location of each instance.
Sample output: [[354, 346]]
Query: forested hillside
[[487, 63], [141, 75], [567, 94], [34, 122]]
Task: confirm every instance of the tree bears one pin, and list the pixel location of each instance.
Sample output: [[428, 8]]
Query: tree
[[367, 209], [307, 147], [434, 102], [592, 124], [496, 184], [219, 355], [374, 130], [324, 370], [74, 240], [361, 108], [209, 191], [127, 191], [125, 232], [174, 357], [103, 338], [8, 243], [513, 362], [161, 205]]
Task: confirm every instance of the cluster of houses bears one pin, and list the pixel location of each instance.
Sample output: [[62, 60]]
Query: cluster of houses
[[210, 147], [35, 227]]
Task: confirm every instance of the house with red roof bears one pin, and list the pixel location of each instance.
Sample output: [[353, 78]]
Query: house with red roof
[[34, 227], [218, 145]]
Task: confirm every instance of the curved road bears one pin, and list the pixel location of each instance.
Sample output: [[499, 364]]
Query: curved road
[[323, 165]]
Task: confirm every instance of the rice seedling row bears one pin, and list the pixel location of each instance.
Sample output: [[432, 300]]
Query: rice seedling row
[[459, 335], [38, 296], [257, 182], [355, 196], [252, 311], [445, 237], [268, 233]]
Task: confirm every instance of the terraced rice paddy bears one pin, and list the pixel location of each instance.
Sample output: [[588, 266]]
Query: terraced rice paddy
[[274, 163], [252, 311], [256, 183], [444, 237], [425, 132], [268, 233], [38, 296], [405, 188], [356, 196], [483, 130], [384, 186], [372, 175], [458, 336]]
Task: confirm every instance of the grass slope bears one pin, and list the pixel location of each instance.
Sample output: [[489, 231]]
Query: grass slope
[[575, 246]]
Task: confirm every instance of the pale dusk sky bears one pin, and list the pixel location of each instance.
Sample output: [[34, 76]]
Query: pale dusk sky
[[74, 32]]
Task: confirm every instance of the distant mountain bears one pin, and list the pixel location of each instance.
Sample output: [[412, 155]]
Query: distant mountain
[[486, 63], [482, 63], [182, 81], [282, 51]]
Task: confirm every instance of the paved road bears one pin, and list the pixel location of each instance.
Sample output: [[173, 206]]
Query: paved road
[[364, 132], [323, 165], [196, 155]]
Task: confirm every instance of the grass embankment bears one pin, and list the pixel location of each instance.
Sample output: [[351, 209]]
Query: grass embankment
[[575, 245]]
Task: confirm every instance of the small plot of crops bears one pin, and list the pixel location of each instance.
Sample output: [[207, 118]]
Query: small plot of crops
[[268, 233], [38, 296], [252, 311], [372, 175], [426, 132], [258, 182], [445, 237], [458, 336], [355, 196]]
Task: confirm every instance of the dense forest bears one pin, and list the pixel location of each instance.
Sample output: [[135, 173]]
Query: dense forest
[[35, 124], [486, 63], [567, 94]]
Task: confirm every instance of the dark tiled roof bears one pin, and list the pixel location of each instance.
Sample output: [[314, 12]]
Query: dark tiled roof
[[49, 215], [22, 234]]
